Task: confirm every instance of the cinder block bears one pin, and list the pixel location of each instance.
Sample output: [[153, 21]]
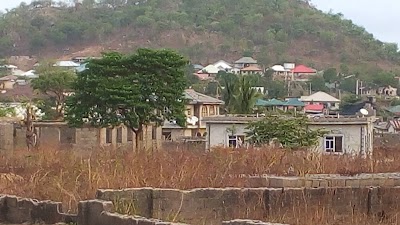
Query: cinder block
[[323, 183], [389, 182], [337, 182], [352, 183]]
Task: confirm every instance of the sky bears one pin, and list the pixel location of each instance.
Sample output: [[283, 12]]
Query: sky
[[376, 16]]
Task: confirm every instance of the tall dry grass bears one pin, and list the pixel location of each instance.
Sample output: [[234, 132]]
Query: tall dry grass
[[69, 177]]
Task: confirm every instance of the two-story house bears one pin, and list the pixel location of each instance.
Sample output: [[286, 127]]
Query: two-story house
[[198, 107]]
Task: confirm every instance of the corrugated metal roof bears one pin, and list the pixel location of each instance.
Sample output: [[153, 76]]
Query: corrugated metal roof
[[246, 60], [198, 98], [395, 124]]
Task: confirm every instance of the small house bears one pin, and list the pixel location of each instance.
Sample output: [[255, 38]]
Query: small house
[[198, 106], [251, 70], [345, 135], [245, 62], [322, 99]]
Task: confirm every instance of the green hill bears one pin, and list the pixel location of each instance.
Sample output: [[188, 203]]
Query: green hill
[[274, 31]]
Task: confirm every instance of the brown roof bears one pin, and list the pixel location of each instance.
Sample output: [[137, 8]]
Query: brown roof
[[251, 68], [199, 98], [8, 77], [19, 93]]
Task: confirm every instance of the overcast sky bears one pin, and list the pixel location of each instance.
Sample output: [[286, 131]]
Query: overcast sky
[[379, 17]]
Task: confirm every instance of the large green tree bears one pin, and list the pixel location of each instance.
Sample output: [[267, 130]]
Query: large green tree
[[54, 82], [139, 89]]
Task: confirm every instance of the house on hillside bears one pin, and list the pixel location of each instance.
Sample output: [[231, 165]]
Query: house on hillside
[[280, 72], [67, 64], [82, 59], [245, 62], [320, 101], [208, 72], [389, 127], [387, 91], [302, 73], [251, 70], [20, 91], [198, 107], [7, 82], [223, 66], [344, 135]]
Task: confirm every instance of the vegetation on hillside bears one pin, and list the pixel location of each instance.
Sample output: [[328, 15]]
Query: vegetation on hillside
[[274, 31]]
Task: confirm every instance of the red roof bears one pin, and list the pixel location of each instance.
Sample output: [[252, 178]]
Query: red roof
[[202, 76], [303, 69], [314, 107]]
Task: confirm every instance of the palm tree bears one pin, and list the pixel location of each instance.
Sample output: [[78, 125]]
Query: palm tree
[[246, 96], [238, 93]]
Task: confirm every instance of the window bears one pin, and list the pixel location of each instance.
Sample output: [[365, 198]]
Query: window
[[129, 135], [212, 110], [204, 111], [235, 141], [67, 135], [167, 136], [109, 135], [334, 144], [154, 132], [119, 135]]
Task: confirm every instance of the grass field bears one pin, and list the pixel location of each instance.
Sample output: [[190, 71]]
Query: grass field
[[69, 177]]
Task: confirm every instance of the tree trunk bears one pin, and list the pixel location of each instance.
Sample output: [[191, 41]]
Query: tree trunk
[[138, 138]]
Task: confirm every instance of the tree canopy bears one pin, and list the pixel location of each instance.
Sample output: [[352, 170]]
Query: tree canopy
[[292, 132], [54, 82], [135, 90]]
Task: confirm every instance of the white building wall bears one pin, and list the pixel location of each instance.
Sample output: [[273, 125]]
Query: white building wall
[[352, 138], [217, 135]]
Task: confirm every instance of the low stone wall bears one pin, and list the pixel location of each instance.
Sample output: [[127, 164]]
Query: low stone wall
[[212, 206], [17, 210], [326, 180], [21, 210]]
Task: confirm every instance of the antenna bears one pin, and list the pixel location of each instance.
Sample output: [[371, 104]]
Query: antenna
[[364, 112], [192, 120]]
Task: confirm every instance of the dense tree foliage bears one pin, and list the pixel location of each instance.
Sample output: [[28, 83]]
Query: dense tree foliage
[[55, 82], [292, 133], [238, 93], [135, 90]]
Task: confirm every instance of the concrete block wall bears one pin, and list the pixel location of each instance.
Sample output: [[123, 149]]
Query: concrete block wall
[[212, 206], [21, 210], [326, 180], [17, 210]]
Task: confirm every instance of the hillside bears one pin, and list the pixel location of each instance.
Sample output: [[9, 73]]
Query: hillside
[[273, 30]]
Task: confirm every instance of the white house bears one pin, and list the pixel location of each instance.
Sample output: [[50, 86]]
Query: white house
[[67, 64], [346, 135], [223, 66], [321, 98], [210, 69]]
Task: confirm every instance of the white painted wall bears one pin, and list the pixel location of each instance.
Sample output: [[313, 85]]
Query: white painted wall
[[218, 136]]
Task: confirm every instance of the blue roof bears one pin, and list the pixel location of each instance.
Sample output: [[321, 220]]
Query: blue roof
[[294, 102], [261, 102]]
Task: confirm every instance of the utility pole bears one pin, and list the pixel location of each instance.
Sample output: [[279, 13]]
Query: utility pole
[[357, 87]]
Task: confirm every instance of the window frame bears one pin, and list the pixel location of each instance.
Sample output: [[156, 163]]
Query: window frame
[[331, 141]]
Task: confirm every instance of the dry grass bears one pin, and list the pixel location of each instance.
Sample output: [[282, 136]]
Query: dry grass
[[70, 176]]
